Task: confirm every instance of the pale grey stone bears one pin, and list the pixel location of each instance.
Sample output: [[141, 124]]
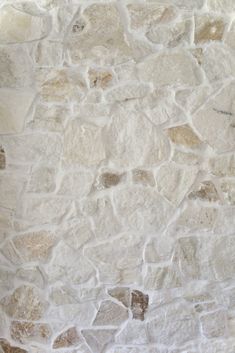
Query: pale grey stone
[[42, 179], [110, 313], [98, 339], [214, 324], [75, 184]]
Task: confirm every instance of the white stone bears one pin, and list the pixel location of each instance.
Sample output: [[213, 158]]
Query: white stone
[[131, 90], [14, 106], [11, 187], [98, 339], [75, 184], [176, 68], [110, 313], [42, 179], [221, 5], [159, 277]]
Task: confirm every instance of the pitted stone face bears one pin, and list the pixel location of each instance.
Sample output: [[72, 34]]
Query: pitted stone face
[[117, 176]]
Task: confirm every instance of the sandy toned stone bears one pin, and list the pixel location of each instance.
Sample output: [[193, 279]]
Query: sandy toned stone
[[184, 135], [25, 332], [100, 78], [25, 303], [208, 28], [100, 37], [215, 121], [107, 180], [205, 191], [32, 275], [110, 313], [174, 181], [98, 339], [144, 177], [122, 294], [214, 324], [176, 68], [139, 304], [18, 26], [162, 277], [148, 15], [7, 348], [14, 106], [223, 166], [134, 333], [83, 144], [48, 53], [67, 339]]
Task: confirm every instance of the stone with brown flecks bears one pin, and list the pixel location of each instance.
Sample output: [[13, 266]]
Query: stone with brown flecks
[[99, 78], [6, 347], [122, 294], [206, 191], [208, 28], [184, 135], [110, 313], [139, 304], [67, 339], [2, 158], [25, 332], [144, 177]]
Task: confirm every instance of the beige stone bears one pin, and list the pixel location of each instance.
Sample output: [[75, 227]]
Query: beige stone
[[67, 339], [176, 68], [6, 347], [98, 339], [110, 313], [100, 37], [139, 304], [18, 26], [174, 181], [229, 37], [161, 277], [208, 28], [184, 135], [205, 191], [31, 275], [77, 233], [100, 78], [24, 303], [148, 15], [144, 177], [134, 333], [48, 53], [26, 332], [83, 144], [222, 257], [14, 106], [223, 166], [215, 120], [186, 158], [159, 249]]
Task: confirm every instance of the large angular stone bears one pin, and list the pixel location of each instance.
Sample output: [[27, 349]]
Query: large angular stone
[[18, 26], [134, 333], [174, 181], [77, 233], [83, 144], [11, 187], [159, 249], [184, 135], [14, 106], [119, 260], [97, 340], [110, 313], [6, 347], [25, 303], [215, 121], [30, 247], [67, 339], [32, 275], [132, 90], [16, 67], [100, 37], [142, 209], [228, 191], [208, 28], [122, 294], [42, 179], [131, 140], [49, 118], [176, 68], [223, 257], [173, 325], [162, 277], [26, 332]]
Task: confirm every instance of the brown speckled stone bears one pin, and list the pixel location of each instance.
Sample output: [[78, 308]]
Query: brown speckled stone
[[67, 339], [7, 348], [139, 304]]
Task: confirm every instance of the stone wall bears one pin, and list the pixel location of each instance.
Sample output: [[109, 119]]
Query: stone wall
[[117, 180]]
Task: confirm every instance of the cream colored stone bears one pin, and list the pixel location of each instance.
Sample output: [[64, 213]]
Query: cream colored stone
[[176, 68], [144, 177], [10, 189], [67, 339], [159, 249], [26, 332], [148, 15], [97, 340], [48, 53], [185, 158], [134, 333], [130, 90], [208, 28], [75, 184], [214, 324], [184, 135], [122, 294], [14, 106], [142, 209], [100, 38], [18, 26], [83, 144], [116, 258], [100, 78], [63, 295], [49, 118], [131, 140], [215, 120], [229, 37], [223, 166], [42, 180], [24, 303], [222, 257], [110, 313], [173, 181], [206, 191], [161, 277], [171, 36]]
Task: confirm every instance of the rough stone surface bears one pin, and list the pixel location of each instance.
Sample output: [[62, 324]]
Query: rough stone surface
[[117, 176]]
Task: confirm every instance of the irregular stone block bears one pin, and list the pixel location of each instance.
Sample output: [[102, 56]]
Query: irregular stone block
[[215, 120], [100, 37], [176, 68], [26, 332], [228, 190], [107, 180], [7, 348], [18, 26], [97, 340], [122, 294], [214, 324], [83, 144], [139, 304], [42, 180], [134, 333], [206, 191], [223, 257], [25, 303], [161, 277], [184, 135], [14, 106], [110, 313], [208, 28], [221, 6], [127, 91], [75, 184], [67, 339], [100, 78], [31, 275], [143, 177], [10, 190]]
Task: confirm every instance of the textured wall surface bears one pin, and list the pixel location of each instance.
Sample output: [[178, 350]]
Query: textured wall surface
[[117, 176]]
